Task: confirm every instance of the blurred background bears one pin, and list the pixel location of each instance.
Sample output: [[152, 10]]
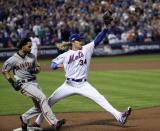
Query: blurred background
[[52, 21]]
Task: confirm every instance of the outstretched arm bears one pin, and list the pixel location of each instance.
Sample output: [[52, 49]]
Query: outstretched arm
[[107, 19], [55, 66], [100, 37]]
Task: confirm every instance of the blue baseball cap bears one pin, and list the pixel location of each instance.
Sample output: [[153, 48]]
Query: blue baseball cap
[[75, 37]]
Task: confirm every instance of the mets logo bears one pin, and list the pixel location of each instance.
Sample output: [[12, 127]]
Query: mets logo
[[74, 58]]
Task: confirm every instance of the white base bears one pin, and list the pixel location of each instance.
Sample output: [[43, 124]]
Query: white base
[[29, 129]]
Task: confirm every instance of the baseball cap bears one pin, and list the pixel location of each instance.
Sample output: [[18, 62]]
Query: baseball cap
[[75, 37]]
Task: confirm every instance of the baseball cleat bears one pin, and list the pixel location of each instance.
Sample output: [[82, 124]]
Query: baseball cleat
[[35, 129], [124, 116], [59, 124], [34, 125], [23, 125]]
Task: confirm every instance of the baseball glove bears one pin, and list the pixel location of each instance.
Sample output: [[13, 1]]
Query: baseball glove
[[63, 46], [15, 84], [107, 17]]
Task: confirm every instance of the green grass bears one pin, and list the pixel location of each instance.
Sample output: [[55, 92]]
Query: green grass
[[125, 58], [111, 59], [139, 89]]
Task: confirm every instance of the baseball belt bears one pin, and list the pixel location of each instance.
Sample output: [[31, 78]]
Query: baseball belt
[[27, 80], [76, 80]]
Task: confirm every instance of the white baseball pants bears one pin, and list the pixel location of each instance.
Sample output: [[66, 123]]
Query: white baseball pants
[[69, 88]]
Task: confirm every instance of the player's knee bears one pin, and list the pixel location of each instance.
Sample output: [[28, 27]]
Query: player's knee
[[100, 98], [50, 102], [42, 98]]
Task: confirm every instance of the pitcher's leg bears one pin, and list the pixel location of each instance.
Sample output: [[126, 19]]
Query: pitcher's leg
[[60, 93], [93, 94]]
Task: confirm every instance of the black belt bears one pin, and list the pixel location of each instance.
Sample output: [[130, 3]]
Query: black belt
[[77, 80], [27, 80]]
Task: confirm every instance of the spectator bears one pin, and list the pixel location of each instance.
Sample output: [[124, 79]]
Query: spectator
[[131, 35], [14, 37], [47, 37], [35, 44], [55, 19], [1, 39], [124, 37]]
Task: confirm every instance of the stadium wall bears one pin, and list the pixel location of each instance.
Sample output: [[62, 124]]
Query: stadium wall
[[101, 50]]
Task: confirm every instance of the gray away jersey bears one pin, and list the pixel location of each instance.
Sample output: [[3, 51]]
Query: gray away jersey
[[20, 65]]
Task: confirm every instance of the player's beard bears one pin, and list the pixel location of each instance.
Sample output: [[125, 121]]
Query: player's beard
[[27, 52]]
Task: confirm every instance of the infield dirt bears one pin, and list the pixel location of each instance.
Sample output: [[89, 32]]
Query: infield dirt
[[140, 120]]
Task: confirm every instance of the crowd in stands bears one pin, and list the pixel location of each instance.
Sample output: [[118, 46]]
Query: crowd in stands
[[53, 20]]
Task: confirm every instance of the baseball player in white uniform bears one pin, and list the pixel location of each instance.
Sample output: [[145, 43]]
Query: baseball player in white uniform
[[35, 44], [24, 66], [76, 63]]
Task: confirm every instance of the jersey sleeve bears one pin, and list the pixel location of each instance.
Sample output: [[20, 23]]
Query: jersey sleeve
[[89, 48], [8, 64], [59, 59]]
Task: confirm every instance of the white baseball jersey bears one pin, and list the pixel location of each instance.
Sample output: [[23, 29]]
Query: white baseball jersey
[[76, 63], [35, 44], [113, 39]]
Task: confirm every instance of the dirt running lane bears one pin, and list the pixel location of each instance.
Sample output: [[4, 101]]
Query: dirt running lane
[[140, 120], [118, 66]]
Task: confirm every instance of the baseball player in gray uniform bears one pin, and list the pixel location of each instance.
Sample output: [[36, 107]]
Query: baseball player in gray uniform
[[76, 63], [25, 67]]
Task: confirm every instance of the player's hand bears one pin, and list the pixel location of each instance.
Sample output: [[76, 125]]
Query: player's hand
[[63, 46]]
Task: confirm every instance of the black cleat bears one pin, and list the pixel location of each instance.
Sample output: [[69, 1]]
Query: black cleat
[[56, 127], [23, 125], [125, 116], [34, 125], [59, 124]]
